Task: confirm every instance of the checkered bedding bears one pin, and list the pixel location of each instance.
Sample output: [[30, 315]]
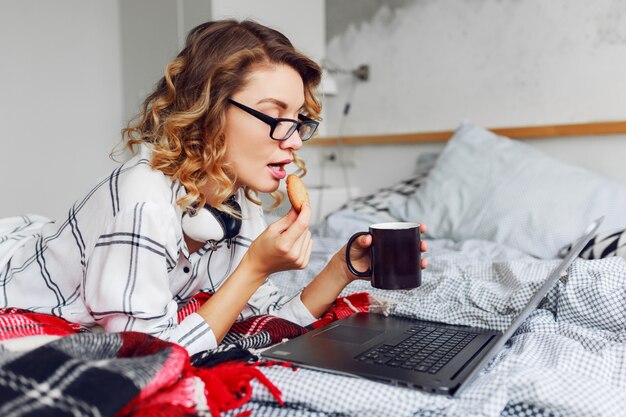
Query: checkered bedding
[[567, 359]]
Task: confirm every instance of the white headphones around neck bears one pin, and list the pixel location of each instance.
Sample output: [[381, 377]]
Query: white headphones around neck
[[210, 224]]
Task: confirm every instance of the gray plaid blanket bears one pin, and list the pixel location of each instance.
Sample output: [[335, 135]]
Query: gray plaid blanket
[[567, 359]]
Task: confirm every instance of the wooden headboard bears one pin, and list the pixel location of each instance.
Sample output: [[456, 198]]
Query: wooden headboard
[[528, 132]]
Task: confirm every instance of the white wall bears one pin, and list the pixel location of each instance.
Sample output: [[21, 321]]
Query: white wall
[[495, 62], [74, 71], [149, 40], [303, 22], [71, 74], [60, 101], [152, 33]]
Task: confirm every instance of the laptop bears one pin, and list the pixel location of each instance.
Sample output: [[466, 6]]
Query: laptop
[[430, 356]]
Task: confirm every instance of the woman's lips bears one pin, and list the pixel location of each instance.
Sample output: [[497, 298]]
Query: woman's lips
[[277, 171]]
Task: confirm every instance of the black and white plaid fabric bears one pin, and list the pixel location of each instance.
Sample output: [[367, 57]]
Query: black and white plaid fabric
[[80, 375], [567, 359], [358, 213], [602, 246], [378, 202], [119, 261]]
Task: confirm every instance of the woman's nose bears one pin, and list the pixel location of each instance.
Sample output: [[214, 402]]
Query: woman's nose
[[294, 142]]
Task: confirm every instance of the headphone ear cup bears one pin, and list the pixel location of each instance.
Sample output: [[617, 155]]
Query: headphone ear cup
[[202, 227], [211, 224], [230, 224]]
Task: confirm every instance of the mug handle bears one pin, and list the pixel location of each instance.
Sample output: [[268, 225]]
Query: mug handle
[[351, 268]]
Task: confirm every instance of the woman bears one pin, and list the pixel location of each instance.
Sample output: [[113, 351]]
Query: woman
[[182, 215]]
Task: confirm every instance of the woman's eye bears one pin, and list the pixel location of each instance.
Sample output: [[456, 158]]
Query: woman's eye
[[275, 113]]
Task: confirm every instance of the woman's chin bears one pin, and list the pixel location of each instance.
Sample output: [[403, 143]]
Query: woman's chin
[[265, 188]]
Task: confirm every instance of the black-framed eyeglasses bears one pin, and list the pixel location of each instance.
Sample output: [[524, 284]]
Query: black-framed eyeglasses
[[280, 128]]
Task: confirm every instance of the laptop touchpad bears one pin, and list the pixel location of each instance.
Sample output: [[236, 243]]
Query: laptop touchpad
[[350, 334]]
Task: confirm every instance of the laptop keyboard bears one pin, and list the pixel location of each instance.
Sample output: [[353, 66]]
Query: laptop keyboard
[[426, 349]]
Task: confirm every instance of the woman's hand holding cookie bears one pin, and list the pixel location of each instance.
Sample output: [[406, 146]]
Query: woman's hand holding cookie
[[284, 245]]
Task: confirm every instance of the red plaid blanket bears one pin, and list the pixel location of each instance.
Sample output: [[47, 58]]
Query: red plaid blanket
[[134, 374]]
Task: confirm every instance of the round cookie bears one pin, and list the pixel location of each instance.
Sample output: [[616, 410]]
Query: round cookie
[[297, 192]]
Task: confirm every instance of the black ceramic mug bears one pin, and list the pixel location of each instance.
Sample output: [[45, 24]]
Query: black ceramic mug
[[395, 256]]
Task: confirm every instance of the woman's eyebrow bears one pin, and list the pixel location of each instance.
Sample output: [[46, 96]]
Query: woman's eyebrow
[[279, 103]]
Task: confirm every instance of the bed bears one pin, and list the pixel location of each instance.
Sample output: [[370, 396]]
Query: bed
[[500, 214]]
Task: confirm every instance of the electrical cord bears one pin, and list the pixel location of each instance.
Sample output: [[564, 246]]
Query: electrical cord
[[340, 152]]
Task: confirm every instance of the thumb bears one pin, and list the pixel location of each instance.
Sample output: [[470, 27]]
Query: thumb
[[360, 246]]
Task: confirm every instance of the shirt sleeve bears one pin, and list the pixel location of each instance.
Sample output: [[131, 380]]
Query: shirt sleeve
[[268, 299], [127, 285]]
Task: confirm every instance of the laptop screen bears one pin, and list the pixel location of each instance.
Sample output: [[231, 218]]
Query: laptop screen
[[575, 250]]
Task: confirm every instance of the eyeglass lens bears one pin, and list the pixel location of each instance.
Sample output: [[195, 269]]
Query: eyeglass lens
[[285, 129]]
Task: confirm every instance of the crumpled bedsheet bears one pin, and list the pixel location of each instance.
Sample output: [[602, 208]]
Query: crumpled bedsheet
[[567, 359]]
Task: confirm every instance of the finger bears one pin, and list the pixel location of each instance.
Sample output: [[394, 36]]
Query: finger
[[302, 254], [423, 228], [309, 251], [364, 241], [360, 244], [296, 248], [303, 243], [424, 263], [284, 222], [300, 225], [306, 253], [423, 246]]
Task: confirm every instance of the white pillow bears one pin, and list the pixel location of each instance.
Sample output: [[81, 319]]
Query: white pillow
[[489, 187]]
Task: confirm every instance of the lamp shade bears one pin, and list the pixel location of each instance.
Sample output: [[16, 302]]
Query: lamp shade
[[328, 84]]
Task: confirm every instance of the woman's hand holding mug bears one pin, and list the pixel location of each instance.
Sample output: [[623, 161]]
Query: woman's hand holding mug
[[394, 255]]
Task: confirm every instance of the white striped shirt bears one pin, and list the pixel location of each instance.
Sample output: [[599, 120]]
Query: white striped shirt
[[120, 261]]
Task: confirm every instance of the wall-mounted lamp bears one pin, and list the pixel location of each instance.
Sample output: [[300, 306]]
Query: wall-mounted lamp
[[361, 73], [328, 85]]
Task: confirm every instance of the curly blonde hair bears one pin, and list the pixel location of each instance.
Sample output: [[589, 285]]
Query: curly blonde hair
[[183, 118]]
